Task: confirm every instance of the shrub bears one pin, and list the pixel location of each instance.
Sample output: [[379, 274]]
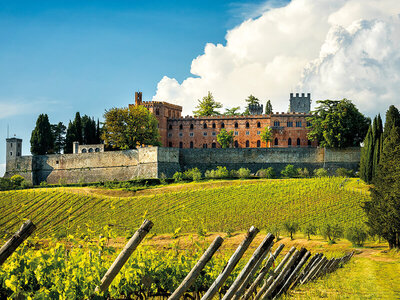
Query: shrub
[[303, 173], [343, 172], [289, 172], [243, 173], [310, 229], [222, 172], [275, 229], [16, 180], [291, 228], [356, 235], [210, 174], [321, 172], [5, 184], [26, 184], [266, 173], [43, 183], [178, 176], [192, 174]]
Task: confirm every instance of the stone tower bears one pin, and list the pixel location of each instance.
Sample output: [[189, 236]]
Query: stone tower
[[300, 104], [256, 109], [13, 150]]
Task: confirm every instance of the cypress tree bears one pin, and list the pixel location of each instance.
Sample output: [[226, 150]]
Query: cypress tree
[[42, 141], [392, 119], [367, 154], [70, 137], [377, 144], [78, 128], [268, 108]]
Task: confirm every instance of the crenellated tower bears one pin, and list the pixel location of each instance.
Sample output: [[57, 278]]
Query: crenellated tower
[[301, 104]]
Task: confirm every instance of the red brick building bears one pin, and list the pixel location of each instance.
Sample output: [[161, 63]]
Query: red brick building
[[289, 129]]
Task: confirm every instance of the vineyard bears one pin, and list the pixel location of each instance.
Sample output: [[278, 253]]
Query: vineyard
[[225, 208]]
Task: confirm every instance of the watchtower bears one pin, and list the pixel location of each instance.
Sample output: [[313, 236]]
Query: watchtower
[[138, 98], [13, 149], [256, 109], [300, 104]]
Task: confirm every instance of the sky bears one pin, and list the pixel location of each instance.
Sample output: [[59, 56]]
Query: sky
[[60, 57]]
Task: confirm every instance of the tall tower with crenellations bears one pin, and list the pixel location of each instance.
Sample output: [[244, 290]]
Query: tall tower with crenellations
[[300, 104]]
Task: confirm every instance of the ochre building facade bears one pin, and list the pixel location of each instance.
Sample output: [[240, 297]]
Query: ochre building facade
[[289, 129]]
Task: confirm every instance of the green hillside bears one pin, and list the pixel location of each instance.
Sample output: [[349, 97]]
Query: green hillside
[[209, 207]]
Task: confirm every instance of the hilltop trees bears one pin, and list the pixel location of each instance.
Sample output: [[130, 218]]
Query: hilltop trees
[[42, 140], [207, 106], [127, 128], [338, 124]]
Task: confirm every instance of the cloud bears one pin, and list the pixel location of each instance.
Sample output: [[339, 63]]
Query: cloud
[[2, 169], [10, 108], [305, 46]]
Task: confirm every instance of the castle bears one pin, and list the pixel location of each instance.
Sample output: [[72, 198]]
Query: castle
[[289, 129], [189, 142]]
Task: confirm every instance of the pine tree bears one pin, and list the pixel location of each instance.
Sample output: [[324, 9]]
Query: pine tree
[[268, 108], [207, 107], [383, 210], [42, 141], [58, 131]]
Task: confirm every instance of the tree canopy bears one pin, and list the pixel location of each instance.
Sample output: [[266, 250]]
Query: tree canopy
[[266, 135], [234, 111], [268, 108], [250, 101], [207, 106], [127, 128], [225, 138], [338, 124], [42, 141]]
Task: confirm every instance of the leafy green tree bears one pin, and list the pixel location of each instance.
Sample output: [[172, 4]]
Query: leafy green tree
[[225, 138], [289, 172], [338, 124], [234, 111], [392, 119], [42, 141], [268, 108], [310, 229], [251, 100], [383, 210], [127, 128], [291, 228], [266, 135], [207, 106], [58, 131]]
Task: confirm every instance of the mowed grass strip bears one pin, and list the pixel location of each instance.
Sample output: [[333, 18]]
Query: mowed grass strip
[[210, 208]]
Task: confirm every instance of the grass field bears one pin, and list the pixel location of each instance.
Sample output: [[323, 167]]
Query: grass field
[[224, 206]]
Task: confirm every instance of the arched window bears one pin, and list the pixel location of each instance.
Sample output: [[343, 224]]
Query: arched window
[[90, 150], [236, 144], [191, 144], [222, 125], [236, 125], [298, 141], [276, 142], [289, 142], [213, 125], [213, 145], [180, 145], [258, 144], [170, 127], [84, 151], [309, 143], [204, 145], [277, 123], [191, 126], [97, 150], [157, 111], [180, 127], [170, 144], [205, 125], [247, 125], [258, 124], [247, 144]]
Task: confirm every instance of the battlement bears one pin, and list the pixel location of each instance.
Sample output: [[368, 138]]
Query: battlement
[[299, 103], [256, 109]]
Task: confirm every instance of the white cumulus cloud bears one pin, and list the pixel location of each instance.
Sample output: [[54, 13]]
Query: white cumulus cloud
[[2, 169], [333, 49]]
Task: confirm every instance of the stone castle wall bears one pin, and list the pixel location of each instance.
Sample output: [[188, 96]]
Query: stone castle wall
[[153, 161]]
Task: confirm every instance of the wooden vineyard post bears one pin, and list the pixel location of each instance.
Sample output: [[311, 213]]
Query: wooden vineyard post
[[119, 262], [254, 261], [191, 277], [234, 259], [264, 270], [9, 247]]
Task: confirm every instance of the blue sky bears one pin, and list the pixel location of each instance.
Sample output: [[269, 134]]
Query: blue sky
[[59, 57]]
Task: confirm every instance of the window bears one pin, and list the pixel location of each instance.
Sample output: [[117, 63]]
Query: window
[[289, 142], [236, 132], [298, 142], [204, 146], [247, 144], [191, 144], [205, 126], [258, 132], [309, 124], [214, 133], [90, 150], [309, 143], [97, 150], [170, 144], [222, 125], [191, 134], [170, 127], [247, 125], [247, 132], [213, 145], [191, 126], [10, 153], [180, 134], [298, 123], [11, 145], [276, 142], [258, 144], [169, 134], [205, 133], [57, 162], [258, 125], [213, 125], [290, 124], [180, 145], [236, 125], [157, 111], [277, 123], [236, 144], [83, 150], [180, 127]]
